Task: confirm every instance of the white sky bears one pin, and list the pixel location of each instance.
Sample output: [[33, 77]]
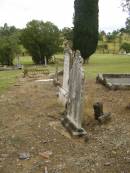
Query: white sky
[[59, 12]]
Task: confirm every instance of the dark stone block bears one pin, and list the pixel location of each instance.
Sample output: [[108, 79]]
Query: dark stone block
[[98, 113], [98, 110]]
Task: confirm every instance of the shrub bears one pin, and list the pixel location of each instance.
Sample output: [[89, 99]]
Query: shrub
[[41, 40], [125, 47]]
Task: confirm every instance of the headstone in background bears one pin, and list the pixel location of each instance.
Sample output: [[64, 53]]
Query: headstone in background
[[45, 59], [18, 65]]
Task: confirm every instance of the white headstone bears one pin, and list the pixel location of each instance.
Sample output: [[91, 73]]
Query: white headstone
[[45, 59], [63, 91], [19, 66], [67, 66], [73, 118]]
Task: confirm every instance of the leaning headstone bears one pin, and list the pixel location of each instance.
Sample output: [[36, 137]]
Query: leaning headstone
[[63, 91], [74, 107]]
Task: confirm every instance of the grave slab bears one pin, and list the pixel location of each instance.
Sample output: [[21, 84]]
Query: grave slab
[[114, 81]]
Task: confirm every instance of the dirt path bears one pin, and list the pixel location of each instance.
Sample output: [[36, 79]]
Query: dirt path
[[30, 123]]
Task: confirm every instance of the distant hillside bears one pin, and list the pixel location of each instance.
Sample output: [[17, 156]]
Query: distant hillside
[[112, 44]]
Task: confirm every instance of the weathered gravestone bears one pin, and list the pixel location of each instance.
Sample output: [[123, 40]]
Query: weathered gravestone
[[74, 107], [63, 91], [45, 59], [18, 65]]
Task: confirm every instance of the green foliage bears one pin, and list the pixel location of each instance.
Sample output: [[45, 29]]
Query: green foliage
[[7, 30], [6, 51], [125, 47], [68, 33], [85, 27], [41, 39], [9, 44], [103, 48], [127, 23], [113, 40], [112, 36], [100, 37]]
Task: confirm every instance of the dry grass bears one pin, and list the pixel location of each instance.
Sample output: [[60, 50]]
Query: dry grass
[[89, 100]]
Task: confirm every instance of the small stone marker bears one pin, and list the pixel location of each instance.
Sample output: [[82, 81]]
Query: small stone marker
[[98, 110], [98, 113], [24, 156], [73, 118]]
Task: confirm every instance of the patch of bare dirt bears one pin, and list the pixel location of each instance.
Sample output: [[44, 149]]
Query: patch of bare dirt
[[30, 125]]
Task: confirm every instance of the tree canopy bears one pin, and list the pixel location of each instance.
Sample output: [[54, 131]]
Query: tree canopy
[[41, 39], [67, 33], [125, 47], [85, 36], [9, 44]]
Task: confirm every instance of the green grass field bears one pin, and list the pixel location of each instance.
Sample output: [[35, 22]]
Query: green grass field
[[25, 60], [7, 78], [99, 63], [107, 63]]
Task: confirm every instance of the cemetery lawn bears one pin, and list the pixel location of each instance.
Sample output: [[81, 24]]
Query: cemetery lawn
[[30, 123], [107, 63], [99, 63]]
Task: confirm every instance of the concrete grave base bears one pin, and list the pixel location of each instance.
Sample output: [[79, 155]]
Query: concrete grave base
[[114, 81], [72, 129]]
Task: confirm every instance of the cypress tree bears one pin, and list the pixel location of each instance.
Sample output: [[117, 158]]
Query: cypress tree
[[85, 36]]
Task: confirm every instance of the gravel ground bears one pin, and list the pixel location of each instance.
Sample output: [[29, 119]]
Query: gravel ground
[[32, 139]]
